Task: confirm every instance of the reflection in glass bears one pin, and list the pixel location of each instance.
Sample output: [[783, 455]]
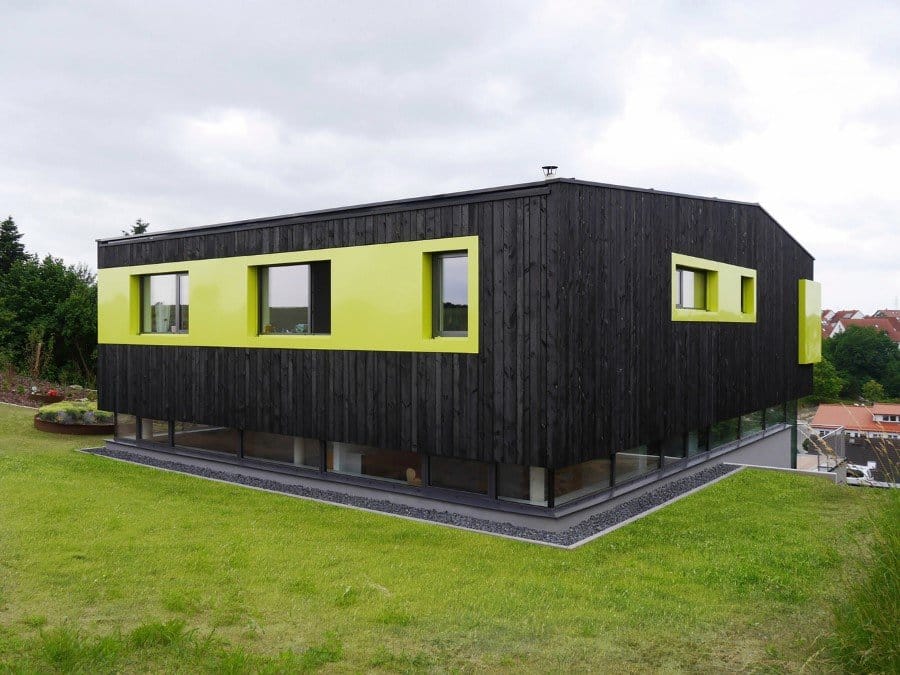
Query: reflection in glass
[[526, 484], [361, 460], [691, 288], [751, 423], [698, 441], [452, 289], [775, 415], [582, 479], [126, 427], [164, 299], [155, 431], [284, 301], [207, 437], [722, 432], [278, 448], [673, 449], [635, 462], [458, 474]]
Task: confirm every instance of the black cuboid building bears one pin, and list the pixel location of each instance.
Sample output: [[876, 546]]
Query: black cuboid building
[[536, 348]]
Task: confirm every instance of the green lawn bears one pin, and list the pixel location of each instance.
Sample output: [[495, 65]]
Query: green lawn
[[109, 566]]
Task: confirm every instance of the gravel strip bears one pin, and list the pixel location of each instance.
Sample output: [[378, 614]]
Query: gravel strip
[[582, 530]]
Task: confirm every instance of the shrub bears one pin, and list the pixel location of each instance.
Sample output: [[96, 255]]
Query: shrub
[[74, 412]]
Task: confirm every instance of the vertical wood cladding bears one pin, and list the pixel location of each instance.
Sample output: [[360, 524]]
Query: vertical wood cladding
[[578, 355]]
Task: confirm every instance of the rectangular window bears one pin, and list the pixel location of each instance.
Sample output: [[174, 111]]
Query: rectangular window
[[360, 460], [126, 427], [154, 431], [582, 479], [698, 441], [723, 432], [748, 295], [278, 448], [207, 437], [691, 288], [458, 474], [295, 299], [751, 423], [635, 463], [164, 303], [450, 286], [525, 484], [673, 449]]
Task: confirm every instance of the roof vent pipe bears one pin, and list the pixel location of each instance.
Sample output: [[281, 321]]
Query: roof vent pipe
[[549, 171]]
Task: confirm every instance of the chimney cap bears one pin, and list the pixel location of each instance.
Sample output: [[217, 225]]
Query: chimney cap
[[549, 170]]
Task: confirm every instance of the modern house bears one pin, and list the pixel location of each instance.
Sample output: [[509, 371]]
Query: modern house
[[538, 348]]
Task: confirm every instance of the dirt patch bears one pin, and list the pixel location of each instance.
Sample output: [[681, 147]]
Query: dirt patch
[[16, 388]]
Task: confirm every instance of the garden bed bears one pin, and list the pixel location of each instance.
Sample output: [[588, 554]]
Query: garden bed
[[74, 417]]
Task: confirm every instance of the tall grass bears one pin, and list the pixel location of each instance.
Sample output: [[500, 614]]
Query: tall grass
[[866, 636]]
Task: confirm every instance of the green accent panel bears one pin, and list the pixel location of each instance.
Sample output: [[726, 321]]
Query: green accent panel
[[810, 321], [380, 300], [726, 291]]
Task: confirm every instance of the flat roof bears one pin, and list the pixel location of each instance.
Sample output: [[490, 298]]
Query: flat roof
[[537, 187]]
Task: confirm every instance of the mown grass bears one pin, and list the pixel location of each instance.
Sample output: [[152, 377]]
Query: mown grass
[[106, 566]]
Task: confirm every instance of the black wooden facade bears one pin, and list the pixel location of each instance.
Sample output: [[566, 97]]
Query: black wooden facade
[[578, 355]]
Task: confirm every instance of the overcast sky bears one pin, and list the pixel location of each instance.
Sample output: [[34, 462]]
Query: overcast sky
[[191, 113]]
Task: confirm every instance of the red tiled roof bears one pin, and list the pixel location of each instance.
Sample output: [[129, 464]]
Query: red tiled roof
[[888, 325], [886, 409], [851, 417], [890, 313], [842, 314]]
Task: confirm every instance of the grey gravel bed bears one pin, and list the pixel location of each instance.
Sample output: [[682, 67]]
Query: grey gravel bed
[[578, 532]]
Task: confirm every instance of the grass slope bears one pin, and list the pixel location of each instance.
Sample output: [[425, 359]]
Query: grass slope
[[109, 566]]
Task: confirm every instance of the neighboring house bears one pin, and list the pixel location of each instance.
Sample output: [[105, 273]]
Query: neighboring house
[[887, 325], [882, 420], [887, 313], [827, 316], [535, 348], [845, 314]]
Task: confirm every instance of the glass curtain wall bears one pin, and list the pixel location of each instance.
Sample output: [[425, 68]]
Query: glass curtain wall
[[305, 452], [635, 463], [207, 437]]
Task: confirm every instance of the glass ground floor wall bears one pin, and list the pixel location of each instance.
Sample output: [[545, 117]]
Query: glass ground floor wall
[[511, 483]]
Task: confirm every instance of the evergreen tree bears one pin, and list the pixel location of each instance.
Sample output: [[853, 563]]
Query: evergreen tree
[[11, 249], [139, 227]]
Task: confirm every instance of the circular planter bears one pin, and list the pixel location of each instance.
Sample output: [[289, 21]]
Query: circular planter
[[74, 429], [46, 399]]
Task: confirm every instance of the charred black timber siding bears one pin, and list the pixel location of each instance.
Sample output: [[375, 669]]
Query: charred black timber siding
[[578, 355]]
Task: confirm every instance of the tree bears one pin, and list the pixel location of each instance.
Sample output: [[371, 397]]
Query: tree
[[139, 227], [860, 354], [827, 383], [48, 318], [872, 391], [11, 249]]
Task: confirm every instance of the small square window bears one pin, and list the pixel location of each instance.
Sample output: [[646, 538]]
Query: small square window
[[748, 295], [450, 285], [691, 288], [295, 299], [164, 303]]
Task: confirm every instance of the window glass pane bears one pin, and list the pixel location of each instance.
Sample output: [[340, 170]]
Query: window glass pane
[[158, 298], [361, 460], [278, 448], [183, 299], [673, 449], [582, 479], [635, 462], [751, 423], [154, 431], [454, 301], [517, 483], [691, 288], [126, 427], [698, 441], [284, 305], [207, 437], [723, 432], [774, 415], [458, 474]]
